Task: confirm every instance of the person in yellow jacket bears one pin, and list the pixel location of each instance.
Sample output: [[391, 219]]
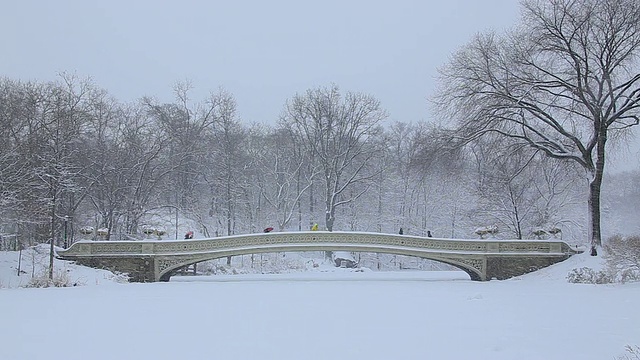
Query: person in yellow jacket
[[314, 227]]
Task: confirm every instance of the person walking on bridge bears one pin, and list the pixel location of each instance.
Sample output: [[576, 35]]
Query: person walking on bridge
[[314, 227]]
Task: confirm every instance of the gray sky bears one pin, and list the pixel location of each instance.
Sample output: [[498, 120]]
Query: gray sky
[[263, 52]]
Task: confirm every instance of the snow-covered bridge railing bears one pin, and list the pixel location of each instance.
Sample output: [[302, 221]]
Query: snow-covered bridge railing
[[483, 259]]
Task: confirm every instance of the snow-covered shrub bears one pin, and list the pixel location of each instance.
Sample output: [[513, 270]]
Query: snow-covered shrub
[[60, 279], [554, 231], [86, 230], [629, 275], [603, 277], [623, 257], [585, 275], [539, 233], [486, 230], [116, 277], [147, 230]]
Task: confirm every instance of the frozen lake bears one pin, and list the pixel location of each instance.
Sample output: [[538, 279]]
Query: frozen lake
[[346, 315]]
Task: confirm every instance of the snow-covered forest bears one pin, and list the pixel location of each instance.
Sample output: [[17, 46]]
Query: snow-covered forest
[[520, 127], [73, 157]]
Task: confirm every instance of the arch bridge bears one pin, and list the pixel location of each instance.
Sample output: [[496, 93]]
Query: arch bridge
[[482, 259]]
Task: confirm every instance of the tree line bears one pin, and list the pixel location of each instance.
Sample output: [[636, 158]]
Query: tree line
[[524, 119], [73, 156]]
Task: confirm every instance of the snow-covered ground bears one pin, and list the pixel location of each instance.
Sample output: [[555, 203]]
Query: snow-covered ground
[[321, 313]]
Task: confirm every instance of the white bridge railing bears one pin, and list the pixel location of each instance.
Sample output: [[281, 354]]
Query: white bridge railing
[[314, 238]]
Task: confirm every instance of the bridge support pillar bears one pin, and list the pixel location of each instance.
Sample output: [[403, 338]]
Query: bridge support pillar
[[505, 266], [140, 269]]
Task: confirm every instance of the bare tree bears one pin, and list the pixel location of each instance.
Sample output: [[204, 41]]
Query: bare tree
[[520, 190], [186, 125], [128, 169], [64, 112], [400, 146], [18, 109], [340, 135], [564, 82], [283, 179]]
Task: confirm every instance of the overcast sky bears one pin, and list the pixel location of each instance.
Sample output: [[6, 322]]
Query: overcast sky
[[263, 52]]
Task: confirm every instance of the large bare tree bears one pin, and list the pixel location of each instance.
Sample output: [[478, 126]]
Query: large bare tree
[[340, 134], [563, 82], [283, 181], [228, 159]]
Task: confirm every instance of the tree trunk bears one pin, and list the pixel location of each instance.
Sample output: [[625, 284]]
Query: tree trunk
[[595, 186], [329, 202], [52, 231], [516, 215], [380, 204], [228, 186], [311, 200], [329, 221], [329, 218], [594, 211], [298, 205]]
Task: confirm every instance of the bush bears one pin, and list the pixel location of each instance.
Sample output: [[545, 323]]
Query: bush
[[623, 257], [60, 279], [583, 275], [587, 275]]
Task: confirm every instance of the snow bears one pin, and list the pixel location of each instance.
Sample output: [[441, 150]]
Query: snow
[[320, 313], [35, 262]]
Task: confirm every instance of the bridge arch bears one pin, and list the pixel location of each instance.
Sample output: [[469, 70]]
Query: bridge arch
[[166, 272]]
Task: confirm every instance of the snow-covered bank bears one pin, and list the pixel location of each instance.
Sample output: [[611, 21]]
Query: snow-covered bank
[[17, 269], [326, 314]]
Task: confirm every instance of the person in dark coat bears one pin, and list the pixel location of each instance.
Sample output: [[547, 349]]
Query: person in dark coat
[[429, 233], [401, 232]]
